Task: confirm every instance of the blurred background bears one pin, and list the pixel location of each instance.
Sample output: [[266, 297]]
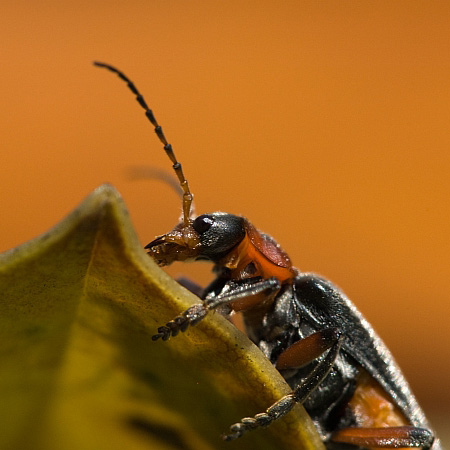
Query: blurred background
[[325, 123]]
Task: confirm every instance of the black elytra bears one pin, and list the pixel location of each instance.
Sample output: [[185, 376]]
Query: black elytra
[[335, 363]]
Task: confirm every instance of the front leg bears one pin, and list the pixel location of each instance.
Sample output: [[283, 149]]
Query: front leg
[[232, 291]]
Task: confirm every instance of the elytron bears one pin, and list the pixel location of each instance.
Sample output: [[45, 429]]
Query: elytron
[[336, 365]]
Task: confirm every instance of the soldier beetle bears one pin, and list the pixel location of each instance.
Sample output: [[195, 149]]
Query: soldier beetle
[[336, 365]]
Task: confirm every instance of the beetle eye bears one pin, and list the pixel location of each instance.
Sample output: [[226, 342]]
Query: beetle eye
[[203, 223]]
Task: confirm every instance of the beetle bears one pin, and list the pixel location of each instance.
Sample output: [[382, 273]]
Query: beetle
[[335, 363]]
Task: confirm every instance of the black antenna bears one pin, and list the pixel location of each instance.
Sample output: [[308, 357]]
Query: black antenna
[[187, 196]]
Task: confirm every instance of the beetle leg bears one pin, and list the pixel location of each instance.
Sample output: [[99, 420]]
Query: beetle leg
[[389, 437], [236, 290], [307, 349], [197, 312], [286, 403]]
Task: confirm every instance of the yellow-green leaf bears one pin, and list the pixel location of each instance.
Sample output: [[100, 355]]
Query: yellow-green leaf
[[78, 368]]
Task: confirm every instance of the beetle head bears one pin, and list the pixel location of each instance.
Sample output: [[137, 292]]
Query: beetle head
[[207, 237]]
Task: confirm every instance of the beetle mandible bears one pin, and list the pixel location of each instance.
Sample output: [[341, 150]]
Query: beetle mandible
[[336, 365]]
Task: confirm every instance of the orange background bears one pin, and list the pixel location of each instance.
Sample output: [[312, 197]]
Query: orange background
[[325, 123]]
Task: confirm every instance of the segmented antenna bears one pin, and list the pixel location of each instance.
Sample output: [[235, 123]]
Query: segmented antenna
[[187, 195]]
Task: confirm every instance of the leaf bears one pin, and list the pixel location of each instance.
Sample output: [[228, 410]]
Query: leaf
[[78, 368]]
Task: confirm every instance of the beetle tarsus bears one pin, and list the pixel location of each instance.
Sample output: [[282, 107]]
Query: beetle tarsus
[[191, 316], [277, 410]]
